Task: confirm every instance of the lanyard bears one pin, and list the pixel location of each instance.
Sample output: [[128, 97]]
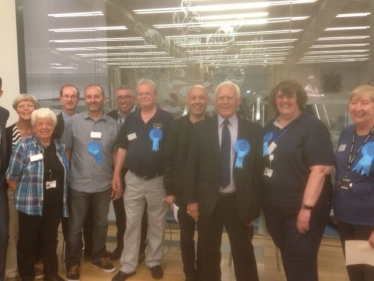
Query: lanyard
[[352, 157], [276, 138]]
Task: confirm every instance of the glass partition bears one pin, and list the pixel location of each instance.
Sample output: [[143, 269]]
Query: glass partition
[[255, 44]]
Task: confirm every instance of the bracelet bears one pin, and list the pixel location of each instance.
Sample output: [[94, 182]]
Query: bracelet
[[306, 207]]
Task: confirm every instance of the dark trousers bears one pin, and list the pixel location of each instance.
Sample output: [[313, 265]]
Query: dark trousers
[[79, 203], [119, 210], [192, 263], [240, 235], [358, 272], [29, 228], [4, 226], [299, 251]]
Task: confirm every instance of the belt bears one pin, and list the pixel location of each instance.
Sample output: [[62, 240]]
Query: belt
[[226, 195], [148, 177]]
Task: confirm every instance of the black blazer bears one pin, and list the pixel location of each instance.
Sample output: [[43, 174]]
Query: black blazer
[[113, 114], [175, 154], [59, 129], [203, 169], [4, 115]]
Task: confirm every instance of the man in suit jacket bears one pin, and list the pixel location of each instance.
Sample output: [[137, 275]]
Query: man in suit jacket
[[4, 220], [176, 151], [222, 184], [125, 100]]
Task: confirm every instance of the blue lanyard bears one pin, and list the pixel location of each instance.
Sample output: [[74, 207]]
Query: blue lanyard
[[275, 138]]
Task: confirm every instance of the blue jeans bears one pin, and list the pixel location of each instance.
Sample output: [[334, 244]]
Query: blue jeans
[[4, 226], [79, 203]]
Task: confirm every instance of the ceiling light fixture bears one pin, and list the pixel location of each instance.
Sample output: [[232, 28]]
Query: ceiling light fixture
[[92, 40], [347, 28], [73, 15], [352, 15], [88, 29]]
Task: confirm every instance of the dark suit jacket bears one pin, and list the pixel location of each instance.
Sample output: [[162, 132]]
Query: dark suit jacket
[[4, 115], [113, 114], [203, 169], [59, 129]]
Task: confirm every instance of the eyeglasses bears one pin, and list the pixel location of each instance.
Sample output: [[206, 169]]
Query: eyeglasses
[[287, 97], [25, 106], [124, 97]]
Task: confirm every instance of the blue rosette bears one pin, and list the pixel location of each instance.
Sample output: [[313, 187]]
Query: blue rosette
[[156, 136], [367, 158], [267, 138], [94, 148], [242, 148]]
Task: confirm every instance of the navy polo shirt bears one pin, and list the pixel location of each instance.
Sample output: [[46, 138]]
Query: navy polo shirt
[[141, 157], [303, 143]]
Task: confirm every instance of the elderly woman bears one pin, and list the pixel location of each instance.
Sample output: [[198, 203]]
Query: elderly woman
[[24, 105], [38, 172], [354, 184], [298, 156]]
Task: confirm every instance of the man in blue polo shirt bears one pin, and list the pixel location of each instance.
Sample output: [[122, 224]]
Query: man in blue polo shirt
[[140, 143]]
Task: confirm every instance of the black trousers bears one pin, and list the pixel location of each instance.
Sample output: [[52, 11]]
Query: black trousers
[[299, 251], [119, 210], [192, 263], [359, 272], [29, 227], [240, 235]]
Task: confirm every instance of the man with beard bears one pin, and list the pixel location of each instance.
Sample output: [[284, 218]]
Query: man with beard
[[175, 156], [89, 138]]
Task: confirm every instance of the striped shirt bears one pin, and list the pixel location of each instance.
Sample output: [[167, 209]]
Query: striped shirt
[[16, 136]]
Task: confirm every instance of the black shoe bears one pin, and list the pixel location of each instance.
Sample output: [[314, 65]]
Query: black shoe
[[104, 265], [121, 276], [72, 272], [141, 257], [53, 278], [157, 272], [116, 254]]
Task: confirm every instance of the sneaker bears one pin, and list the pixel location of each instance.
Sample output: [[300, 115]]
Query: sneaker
[[38, 273], [72, 273], [104, 265]]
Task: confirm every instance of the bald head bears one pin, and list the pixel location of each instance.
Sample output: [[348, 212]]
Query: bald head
[[197, 101]]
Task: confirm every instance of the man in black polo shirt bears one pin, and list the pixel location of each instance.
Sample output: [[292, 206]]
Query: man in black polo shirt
[[140, 143]]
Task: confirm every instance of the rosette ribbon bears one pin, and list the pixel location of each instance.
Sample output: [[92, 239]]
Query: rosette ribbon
[[242, 148], [156, 136], [367, 158], [94, 148], [267, 138]]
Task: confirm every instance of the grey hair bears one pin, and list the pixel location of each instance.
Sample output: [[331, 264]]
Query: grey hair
[[43, 113], [230, 84], [145, 81], [25, 97]]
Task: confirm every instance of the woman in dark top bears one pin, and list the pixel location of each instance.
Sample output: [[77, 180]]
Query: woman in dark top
[[38, 172], [354, 184], [298, 156]]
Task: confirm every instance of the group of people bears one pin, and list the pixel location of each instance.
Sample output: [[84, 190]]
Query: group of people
[[220, 171]]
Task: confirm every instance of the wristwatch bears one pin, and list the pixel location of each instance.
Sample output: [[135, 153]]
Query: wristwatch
[[306, 207]]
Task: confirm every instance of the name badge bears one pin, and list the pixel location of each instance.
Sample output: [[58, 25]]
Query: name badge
[[50, 184], [36, 157], [271, 147], [268, 172], [342, 147], [345, 184], [131, 136], [95, 135]]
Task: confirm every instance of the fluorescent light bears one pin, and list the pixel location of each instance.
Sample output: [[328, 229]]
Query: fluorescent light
[[106, 48], [347, 28], [88, 29], [233, 16], [71, 15], [63, 67], [92, 40], [335, 52], [352, 15], [122, 54], [343, 38], [334, 56], [223, 7], [339, 45]]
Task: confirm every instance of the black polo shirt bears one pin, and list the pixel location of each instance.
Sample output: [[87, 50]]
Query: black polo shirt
[[141, 157]]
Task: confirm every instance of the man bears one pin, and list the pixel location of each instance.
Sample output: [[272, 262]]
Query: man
[[126, 104], [141, 144], [222, 184], [89, 138], [176, 150], [311, 88], [4, 219], [69, 98]]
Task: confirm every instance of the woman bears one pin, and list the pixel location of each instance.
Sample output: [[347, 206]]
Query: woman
[[38, 172], [24, 105], [354, 184], [296, 196]]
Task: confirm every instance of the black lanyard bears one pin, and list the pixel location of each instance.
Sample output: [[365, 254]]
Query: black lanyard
[[351, 157]]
